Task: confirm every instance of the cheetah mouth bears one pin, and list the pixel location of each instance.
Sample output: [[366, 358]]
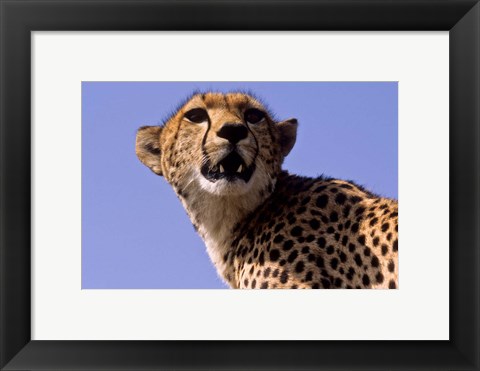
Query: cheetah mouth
[[231, 168]]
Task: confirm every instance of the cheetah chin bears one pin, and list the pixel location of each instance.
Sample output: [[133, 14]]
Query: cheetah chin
[[231, 168]]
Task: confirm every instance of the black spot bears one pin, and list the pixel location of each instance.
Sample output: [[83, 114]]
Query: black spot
[[392, 285], [309, 276], [379, 277], [351, 247], [361, 239], [375, 262], [375, 241], [346, 211], [350, 273], [264, 285], [322, 201], [311, 257], [373, 222], [261, 258], [252, 269], [330, 250], [294, 287], [355, 199], [384, 249], [325, 283], [395, 245], [391, 266], [334, 216], [338, 282], [358, 260], [334, 190], [293, 255], [366, 280], [366, 251], [310, 238], [305, 201], [284, 277], [334, 263], [346, 186], [282, 262], [254, 283], [340, 199], [266, 272], [255, 253], [287, 245], [245, 282], [344, 240], [389, 236], [305, 250], [315, 224], [343, 257], [315, 286], [299, 267], [320, 262], [301, 210], [337, 236], [354, 228], [274, 255], [320, 189], [330, 230], [359, 211], [296, 231], [275, 273], [385, 227], [278, 238], [278, 227]]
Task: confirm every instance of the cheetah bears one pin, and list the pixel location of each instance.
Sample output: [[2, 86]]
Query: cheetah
[[264, 228]]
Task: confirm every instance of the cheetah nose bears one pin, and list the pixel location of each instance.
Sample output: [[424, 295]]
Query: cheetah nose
[[234, 133]]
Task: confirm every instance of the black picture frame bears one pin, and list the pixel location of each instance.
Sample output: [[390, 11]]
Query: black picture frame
[[18, 18]]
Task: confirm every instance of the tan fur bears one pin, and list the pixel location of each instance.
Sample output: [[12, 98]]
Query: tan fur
[[276, 230]]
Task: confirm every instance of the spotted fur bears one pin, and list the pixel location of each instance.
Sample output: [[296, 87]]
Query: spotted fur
[[264, 228]]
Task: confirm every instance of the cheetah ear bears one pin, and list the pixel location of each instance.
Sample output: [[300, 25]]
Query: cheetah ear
[[288, 135], [148, 147]]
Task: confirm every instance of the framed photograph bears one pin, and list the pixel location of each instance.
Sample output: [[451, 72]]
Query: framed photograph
[[174, 172]]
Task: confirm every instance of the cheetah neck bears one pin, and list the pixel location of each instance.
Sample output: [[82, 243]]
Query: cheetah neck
[[215, 217]]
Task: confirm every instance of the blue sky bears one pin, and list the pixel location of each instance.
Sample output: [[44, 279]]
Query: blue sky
[[135, 232]]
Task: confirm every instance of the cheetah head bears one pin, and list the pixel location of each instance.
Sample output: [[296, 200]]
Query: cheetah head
[[224, 143]]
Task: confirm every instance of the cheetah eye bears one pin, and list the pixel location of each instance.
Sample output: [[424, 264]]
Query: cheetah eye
[[254, 116], [197, 115]]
